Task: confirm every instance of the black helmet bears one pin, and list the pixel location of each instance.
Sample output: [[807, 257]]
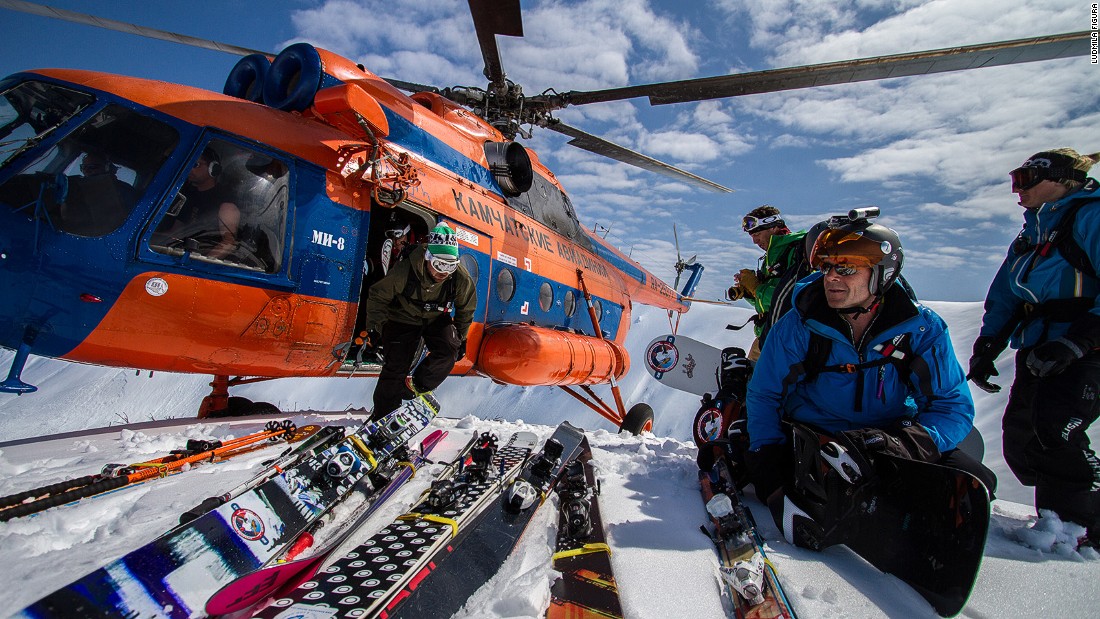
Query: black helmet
[[862, 244]]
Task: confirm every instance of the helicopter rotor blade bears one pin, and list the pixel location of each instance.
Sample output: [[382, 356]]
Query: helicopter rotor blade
[[600, 146], [676, 240], [165, 35], [110, 24], [493, 17], [866, 69]]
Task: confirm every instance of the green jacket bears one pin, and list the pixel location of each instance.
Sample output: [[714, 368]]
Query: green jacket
[[781, 256], [387, 301]]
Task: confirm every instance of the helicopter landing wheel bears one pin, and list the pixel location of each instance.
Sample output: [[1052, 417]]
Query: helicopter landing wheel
[[638, 419]]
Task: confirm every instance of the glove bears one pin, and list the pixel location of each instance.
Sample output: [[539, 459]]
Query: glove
[[905, 438], [1053, 357], [770, 467], [744, 285], [748, 281], [982, 369], [460, 351]]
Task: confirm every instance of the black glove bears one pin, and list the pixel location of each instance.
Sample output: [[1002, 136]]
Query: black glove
[[460, 351], [770, 467], [905, 438], [982, 369], [373, 340], [1053, 357]]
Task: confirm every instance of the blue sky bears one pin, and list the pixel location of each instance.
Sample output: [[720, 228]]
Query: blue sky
[[934, 152]]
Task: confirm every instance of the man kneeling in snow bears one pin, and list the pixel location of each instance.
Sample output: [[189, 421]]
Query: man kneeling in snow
[[857, 358]]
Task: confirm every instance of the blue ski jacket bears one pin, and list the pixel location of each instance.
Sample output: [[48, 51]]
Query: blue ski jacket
[[929, 387], [1027, 278]]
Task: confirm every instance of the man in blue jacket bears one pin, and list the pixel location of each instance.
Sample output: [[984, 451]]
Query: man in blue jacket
[[859, 359], [1046, 299]]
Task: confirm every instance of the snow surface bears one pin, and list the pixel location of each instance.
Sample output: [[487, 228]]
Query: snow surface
[[664, 566]]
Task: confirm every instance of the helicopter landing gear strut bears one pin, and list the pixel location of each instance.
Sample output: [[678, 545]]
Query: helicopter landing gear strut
[[220, 404], [640, 417]]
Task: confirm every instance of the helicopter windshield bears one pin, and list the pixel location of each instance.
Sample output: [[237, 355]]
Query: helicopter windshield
[[88, 182], [31, 110]]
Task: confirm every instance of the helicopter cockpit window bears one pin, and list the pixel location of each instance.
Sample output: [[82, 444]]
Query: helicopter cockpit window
[[231, 208], [29, 111], [89, 182], [551, 207]]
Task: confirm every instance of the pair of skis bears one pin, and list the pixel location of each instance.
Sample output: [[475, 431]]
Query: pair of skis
[[118, 476], [244, 529]]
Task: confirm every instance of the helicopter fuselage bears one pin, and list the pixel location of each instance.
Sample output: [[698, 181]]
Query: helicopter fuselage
[[122, 281]]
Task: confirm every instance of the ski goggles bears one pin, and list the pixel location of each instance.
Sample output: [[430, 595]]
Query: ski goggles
[[752, 224], [442, 265], [397, 233], [843, 270], [1028, 177]]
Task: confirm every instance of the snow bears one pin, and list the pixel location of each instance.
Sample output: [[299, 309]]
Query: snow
[[665, 567]]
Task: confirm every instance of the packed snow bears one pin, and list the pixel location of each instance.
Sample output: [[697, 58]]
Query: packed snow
[[664, 565]]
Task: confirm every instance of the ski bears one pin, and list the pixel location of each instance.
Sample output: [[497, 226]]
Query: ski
[[278, 579], [587, 588], [174, 575], [118, 476], [749, 578]]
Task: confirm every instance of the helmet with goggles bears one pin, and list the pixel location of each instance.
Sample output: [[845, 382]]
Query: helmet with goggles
[[861, 243]]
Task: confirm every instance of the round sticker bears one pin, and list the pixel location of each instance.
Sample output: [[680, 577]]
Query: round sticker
[[662, 356], [156, 287]]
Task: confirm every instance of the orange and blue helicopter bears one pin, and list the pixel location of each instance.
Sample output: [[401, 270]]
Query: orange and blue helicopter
[[319, 160]]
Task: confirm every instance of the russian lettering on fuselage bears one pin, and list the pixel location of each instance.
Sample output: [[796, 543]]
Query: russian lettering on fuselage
[[510, 225]]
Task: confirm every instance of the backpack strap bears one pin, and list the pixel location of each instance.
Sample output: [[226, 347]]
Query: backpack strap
[[1061, 239]]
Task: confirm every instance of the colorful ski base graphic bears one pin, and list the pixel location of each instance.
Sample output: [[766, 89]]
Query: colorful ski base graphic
[[280, 578]]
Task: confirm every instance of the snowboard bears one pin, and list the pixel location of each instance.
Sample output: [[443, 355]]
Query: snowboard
[[586, 587], [174, 575], [683, 363], [373, 578], [924, 523]]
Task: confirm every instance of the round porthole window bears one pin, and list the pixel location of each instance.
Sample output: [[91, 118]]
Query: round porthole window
[[506, 285], [470, 264], [570, 303], [546, 296]]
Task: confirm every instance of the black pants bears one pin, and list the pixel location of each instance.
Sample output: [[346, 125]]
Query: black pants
[[399, 345], [1045, 443]]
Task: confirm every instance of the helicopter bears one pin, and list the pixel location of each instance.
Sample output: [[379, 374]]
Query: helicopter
[[320, 156]]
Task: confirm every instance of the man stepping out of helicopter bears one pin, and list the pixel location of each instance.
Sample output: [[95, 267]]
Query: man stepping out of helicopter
[[430, 296]]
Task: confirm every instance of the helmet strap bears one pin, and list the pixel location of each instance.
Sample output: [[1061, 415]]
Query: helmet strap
[[858, 311]]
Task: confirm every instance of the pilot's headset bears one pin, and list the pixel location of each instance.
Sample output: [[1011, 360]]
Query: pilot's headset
[[213, 161]]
